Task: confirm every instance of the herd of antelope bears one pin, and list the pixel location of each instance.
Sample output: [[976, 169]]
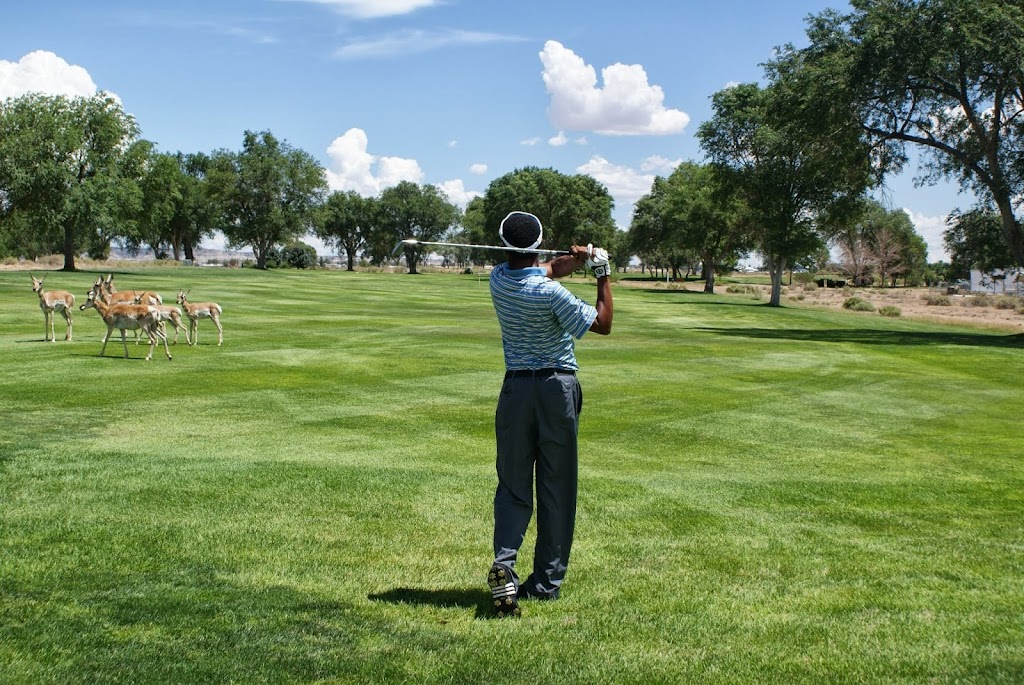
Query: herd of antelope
[[129, 310]]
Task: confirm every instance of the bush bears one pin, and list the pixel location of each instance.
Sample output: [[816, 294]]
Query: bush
[[890, 311], [804, 278], [937, 300], [979, 301], [299, 255], [741, 289], [1006, 302], [810, 287], [858, 304]]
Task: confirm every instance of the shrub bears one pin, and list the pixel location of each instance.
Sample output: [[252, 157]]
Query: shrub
[[891, 311], [937, 300], [299, 255], [804, 278], [811, 286], [1006, 302], [979, 301], [741, 289], [858, 304]]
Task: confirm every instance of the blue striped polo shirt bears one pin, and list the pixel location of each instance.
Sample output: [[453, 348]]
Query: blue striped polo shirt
[[539, 318]]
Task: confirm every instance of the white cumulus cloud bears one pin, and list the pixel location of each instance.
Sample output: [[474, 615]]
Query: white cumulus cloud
[[530, 142], [660, 164], [457, 193], [559, 140], [626, 185], [626, 104], [478, 169], [44, 72], [931, 229], [352, 167]]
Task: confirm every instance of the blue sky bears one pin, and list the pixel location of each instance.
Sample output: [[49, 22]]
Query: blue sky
[[449, 92]]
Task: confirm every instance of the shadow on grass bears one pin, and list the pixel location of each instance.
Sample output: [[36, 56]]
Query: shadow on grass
[[464, 598], [874, 337]]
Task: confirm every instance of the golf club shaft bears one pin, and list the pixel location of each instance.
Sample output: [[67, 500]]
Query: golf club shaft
[[413, 241]]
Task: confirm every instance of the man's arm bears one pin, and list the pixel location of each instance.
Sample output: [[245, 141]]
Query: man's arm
[[566, 264], [560, 267], [603, 323]]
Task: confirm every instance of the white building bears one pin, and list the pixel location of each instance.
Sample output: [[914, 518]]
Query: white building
[[998, 282]]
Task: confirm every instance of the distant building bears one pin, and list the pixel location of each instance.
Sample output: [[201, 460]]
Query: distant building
[[998, 282]]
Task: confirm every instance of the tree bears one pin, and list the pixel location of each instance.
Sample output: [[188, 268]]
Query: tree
[[68, 171], [161, 187], [267, 192], [974, 240], [875, 240], [574, 210], [409, 210], [703, 211], [648, 235], [943, 76], [789, 167], [347, 219], [474, 232], [197, 212], [298, 255]]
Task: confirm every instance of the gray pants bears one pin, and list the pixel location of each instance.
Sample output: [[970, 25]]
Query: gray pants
[[536, 426]]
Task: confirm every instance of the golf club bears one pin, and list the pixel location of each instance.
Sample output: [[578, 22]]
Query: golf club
[[414, 241]]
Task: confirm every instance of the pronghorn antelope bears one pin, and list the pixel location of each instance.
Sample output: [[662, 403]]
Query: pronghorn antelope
[[53, 301], [201, 310], [125, 317], [168, 312], [128, 296]]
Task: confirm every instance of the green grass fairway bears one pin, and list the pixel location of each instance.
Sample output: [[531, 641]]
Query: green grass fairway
[[767, 495]]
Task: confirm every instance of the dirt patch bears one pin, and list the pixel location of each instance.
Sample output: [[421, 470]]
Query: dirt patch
[[1003, 312]]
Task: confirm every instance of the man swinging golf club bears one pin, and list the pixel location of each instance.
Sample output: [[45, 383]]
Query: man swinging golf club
[[537, 418]]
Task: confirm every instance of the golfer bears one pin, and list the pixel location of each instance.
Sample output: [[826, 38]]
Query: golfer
[[537, 419]]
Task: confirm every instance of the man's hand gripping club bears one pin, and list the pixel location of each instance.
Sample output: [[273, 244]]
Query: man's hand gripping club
[[597, 260]]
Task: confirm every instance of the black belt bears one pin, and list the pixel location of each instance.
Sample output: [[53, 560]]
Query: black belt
[[536, 373]]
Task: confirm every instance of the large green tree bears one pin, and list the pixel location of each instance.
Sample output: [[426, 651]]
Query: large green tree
[[68, 173], [473, 231], [161, 186], [974, 240], [268, 193], [409, 210], [704, 209], [574, 210], [789, 171], [346, 221], [653, 236], [942, 76]]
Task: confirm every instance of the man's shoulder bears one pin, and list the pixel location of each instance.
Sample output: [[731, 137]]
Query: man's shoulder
[[532, 275]]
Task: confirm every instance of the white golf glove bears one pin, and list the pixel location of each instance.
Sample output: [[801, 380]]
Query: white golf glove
[[597, 260]]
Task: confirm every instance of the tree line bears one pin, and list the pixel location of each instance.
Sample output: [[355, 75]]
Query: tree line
[[75, 176], [791, 162], [788, 168]]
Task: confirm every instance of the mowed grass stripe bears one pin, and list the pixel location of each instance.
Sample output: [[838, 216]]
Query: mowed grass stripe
[[767, 495]]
